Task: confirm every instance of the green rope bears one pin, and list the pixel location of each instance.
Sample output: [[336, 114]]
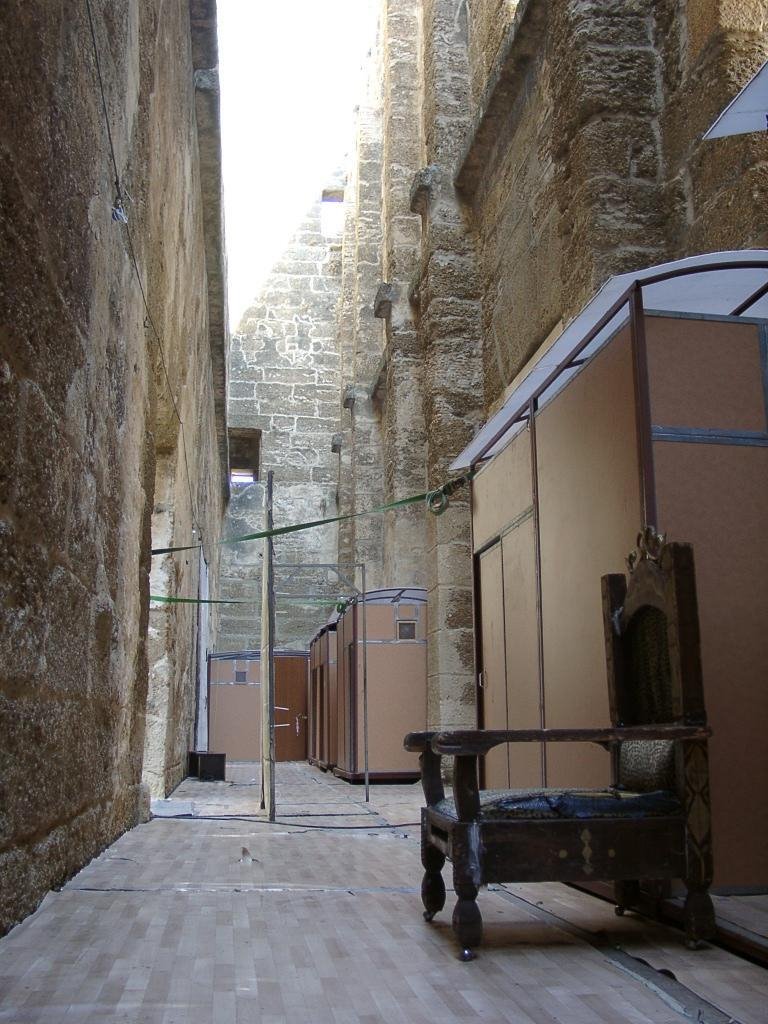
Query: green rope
[[437, 502], [325, 601], [193, 600]]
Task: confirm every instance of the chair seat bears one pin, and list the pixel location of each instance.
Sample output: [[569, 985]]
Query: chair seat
[[502, 804]]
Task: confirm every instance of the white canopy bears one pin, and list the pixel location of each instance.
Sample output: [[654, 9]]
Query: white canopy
[[748, 112], [713, 283]]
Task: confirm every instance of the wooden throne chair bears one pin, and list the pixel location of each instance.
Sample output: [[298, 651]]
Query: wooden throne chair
[[651, 823]]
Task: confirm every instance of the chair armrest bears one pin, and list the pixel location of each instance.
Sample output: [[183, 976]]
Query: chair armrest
[[463, 742], [417, 742], [431, 778]]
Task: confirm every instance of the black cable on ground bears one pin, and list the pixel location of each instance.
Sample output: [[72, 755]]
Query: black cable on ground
[[254, 820]]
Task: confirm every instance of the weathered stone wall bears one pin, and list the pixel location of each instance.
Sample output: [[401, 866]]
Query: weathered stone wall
[[585, 157], [285, 381], [83, 402], [361, 342], [510, 176], [448, 296], [715, 191], [401, 379], [188, 290], [409, 259], [549, 145], [488, 24]]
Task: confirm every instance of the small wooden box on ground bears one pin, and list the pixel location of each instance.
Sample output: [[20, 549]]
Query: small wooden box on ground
[[207, 766]]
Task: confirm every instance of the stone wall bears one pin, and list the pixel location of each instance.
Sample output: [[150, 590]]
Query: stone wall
[[585, 157], [401, 381], [85, 417], [715, 191], [448, 296], [285, 382], [191, 482], [549, 145], [361, 341], [488, 24]]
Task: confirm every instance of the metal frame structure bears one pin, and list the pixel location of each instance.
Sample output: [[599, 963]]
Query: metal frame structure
[[359, 594], [632, 297], [526, 412]]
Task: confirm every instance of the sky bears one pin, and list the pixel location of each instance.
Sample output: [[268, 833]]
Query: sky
[[290, 78]]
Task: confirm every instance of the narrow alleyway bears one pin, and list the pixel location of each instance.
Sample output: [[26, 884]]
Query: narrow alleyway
[[221, 919]]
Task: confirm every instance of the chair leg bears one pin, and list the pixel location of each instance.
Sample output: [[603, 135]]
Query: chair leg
[[699, 918], [467, 919], [626, 894], [432, 884]]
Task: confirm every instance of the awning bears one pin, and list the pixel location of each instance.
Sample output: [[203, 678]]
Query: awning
[[723, 283], [748, 112]]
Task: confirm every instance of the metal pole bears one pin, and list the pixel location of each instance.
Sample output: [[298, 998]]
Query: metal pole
[[268, 661], [365, 694], [532, 409], [642, 407]]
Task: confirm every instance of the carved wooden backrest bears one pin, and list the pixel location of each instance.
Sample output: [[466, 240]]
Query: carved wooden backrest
[[652, 647], [645, 698]]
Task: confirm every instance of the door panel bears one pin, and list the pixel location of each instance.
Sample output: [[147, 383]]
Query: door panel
[[291, 709], [494, 677], [522, 647]]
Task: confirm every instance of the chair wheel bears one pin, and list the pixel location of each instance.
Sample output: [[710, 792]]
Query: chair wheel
[[695, 944], [429, 914], [619, 911], [466, 955]]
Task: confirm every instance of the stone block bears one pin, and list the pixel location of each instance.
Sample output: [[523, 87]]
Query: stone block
[[452, 275], [242, 389]]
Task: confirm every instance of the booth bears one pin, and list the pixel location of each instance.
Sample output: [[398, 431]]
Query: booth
[[234, 705], [650, 408], [323, 699], [381, 690]]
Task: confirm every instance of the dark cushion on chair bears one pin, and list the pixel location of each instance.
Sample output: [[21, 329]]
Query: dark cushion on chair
[[499, 804]]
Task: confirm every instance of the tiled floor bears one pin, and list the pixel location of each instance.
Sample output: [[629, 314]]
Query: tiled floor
[[227, 920]]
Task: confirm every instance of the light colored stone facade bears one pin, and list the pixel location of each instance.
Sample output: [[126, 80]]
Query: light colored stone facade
[[285, 381], [89, 441], [401, 379], [585, 158], [361, 472], [550, 145]]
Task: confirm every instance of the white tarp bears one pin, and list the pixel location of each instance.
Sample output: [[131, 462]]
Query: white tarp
[[748, 112], [706, 291]]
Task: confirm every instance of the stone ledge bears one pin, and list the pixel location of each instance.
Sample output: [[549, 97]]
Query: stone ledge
[[521, 48], [422, 188], [354, 393], [386, 294]]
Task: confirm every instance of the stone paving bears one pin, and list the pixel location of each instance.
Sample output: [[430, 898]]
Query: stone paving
[[222, 918]]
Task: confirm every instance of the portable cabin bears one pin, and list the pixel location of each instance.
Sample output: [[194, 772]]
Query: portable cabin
[[234, 705], [650, 408], [313, 738], [323, 697], [382, 670]]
